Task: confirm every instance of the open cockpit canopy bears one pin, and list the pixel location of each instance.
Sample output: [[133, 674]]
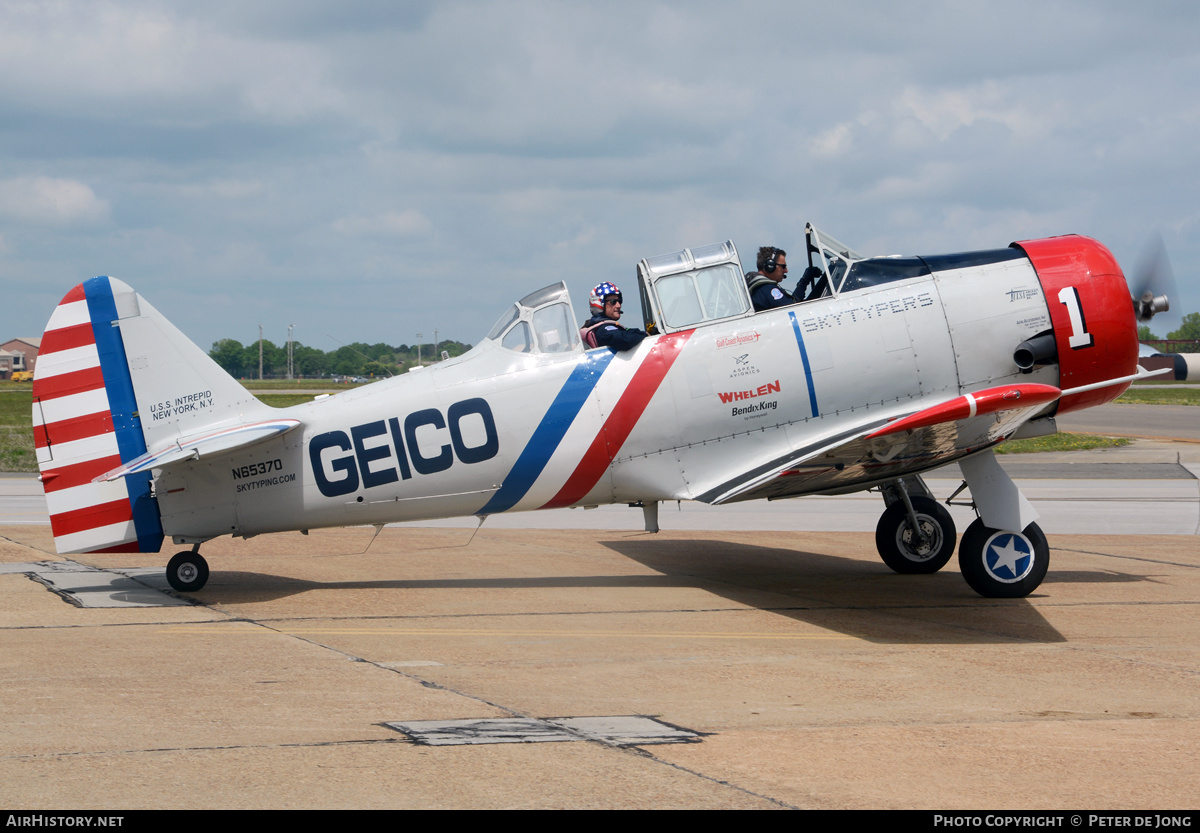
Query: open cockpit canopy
[[541, 322], [845, 270]]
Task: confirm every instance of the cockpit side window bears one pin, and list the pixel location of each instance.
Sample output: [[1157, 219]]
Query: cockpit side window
[[506, 320], [555, 328], [518, 338], [681, 307], [721, 289]]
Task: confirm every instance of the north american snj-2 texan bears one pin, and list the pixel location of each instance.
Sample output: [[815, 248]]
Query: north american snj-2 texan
[[895, 366]]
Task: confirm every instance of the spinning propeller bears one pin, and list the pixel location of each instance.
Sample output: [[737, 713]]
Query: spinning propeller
[[1152, 281]]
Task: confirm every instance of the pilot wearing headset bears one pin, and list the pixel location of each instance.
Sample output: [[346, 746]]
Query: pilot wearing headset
[[765, 291]]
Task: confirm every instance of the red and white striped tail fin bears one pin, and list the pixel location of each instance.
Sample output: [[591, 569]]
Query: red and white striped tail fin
[[113, 376], [75, 425]]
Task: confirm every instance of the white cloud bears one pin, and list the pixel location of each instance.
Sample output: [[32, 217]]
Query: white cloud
[[172, 66], [832, 142], [230, 189], [943, 112], [410, 223], [41, 199]]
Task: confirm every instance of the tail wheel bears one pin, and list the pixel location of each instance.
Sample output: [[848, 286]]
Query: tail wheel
[[903, 549], [187, 571], [1000, 564]]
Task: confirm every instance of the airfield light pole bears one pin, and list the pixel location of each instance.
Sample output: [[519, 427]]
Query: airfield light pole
[[290, 328], [260, 352], [419, 337], [435, 344]]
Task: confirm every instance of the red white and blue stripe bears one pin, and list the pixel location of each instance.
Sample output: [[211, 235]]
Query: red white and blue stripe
[[606, 438], [86, 423]]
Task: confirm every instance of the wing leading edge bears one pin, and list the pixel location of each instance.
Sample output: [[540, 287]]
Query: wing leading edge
[[877, 450]]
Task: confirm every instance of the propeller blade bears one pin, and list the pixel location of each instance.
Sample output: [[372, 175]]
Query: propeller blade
[[1153, 280]]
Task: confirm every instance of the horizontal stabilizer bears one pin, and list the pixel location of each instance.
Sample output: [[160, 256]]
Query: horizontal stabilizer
[[202, 445]]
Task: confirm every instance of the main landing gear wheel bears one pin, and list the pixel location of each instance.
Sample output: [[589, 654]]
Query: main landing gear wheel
[[902, 549], [1000, 564], [187, 571]]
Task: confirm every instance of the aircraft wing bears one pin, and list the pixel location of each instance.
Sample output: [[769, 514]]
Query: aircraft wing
[[203, 444], [878, 450], [882, 449]]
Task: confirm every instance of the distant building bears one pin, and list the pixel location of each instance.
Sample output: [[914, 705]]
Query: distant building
[[18, 354], [10, 363]]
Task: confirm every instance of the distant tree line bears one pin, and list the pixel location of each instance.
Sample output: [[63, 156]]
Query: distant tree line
[[357, 359], [1184, 340]]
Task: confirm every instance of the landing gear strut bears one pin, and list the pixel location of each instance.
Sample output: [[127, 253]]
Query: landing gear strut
[[187, 571], [996, 559]]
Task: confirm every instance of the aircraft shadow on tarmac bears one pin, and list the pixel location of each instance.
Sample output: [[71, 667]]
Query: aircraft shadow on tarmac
[[847, 596], [230, 587], [1095, 577], [854, 597]]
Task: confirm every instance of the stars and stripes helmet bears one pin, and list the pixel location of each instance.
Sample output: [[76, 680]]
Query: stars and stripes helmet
[[602, 293]]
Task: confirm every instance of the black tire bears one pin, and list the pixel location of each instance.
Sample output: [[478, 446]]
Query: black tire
[[187, 571], [897, 546], [1000, 567]]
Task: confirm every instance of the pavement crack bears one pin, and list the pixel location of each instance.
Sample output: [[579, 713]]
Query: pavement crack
[[644, 753]]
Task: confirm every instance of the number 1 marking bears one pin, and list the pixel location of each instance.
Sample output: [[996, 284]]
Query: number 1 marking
[[1080, 337]]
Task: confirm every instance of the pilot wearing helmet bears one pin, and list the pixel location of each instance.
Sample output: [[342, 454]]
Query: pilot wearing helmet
[[603, 328]]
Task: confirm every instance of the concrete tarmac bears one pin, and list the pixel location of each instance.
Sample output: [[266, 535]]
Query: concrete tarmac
[[807, 674], [1177, 422]]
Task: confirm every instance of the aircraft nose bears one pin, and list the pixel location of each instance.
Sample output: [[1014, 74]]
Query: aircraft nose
[[1095, 332]]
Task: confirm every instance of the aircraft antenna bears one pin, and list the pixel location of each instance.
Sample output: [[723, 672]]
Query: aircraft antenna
[[482, 518], [378, 529]]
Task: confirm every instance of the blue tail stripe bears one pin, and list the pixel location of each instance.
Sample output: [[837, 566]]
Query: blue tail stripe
[[550, 432], [122, 404]]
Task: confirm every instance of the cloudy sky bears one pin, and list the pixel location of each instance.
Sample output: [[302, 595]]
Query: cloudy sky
[[368, 171]]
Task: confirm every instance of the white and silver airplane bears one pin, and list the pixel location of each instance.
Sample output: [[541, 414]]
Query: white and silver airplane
[[902, 365]]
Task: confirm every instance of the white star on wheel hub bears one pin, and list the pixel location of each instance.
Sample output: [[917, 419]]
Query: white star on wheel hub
[[1006, 557]]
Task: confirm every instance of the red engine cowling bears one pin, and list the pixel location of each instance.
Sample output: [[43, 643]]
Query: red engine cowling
[[1094, 328]]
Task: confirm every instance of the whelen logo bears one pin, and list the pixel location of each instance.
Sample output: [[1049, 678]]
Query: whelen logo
[[761, 390]]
